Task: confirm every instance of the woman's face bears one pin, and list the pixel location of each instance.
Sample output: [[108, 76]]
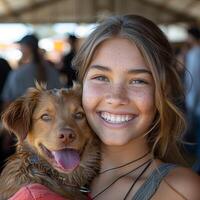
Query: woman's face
[[118, 93]]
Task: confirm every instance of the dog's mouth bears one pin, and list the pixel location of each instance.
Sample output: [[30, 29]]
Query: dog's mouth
[[65, 160]]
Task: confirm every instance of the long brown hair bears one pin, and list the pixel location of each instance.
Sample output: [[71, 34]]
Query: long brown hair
[[169, 121]]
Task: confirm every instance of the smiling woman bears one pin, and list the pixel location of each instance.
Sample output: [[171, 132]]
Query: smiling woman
[[118, 93], [131, 96]]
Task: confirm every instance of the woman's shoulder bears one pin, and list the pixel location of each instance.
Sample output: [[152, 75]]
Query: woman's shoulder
[[183, 182]]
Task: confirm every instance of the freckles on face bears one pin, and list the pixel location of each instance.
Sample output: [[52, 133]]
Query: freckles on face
[[144, 99], [118, 92]]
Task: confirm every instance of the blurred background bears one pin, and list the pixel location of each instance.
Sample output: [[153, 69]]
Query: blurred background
[[51, 20], [57, 29]]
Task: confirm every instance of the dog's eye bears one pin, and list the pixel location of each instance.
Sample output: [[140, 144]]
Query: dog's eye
[[79, 115], [46, 117]]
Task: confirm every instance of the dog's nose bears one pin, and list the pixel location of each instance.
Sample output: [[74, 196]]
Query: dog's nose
[[67, 135]]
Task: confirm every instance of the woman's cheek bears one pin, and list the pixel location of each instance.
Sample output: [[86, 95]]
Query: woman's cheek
[[144, 99], [93, 89], [91, 94]]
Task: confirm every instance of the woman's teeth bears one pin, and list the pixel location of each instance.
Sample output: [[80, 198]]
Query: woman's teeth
[[116, 119]]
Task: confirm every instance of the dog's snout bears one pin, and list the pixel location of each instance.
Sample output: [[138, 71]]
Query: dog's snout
[[67, 135]]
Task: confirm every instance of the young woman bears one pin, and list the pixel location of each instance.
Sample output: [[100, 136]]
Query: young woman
[[132, 96]]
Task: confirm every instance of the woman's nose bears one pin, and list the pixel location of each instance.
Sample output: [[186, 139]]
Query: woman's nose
[[117, 96]]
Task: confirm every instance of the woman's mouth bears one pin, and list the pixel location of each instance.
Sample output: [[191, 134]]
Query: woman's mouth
[[116, 118]]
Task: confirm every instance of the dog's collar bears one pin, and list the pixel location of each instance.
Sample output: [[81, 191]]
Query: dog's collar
[[35, 160]]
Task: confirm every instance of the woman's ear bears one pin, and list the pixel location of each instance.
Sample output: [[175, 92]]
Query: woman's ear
[[17, 117]]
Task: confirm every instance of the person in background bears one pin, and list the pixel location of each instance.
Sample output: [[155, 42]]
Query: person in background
[[192, 84], [4, 71], [66, 61], [131, 97], [34, 68], [6, 140], [7, 146]]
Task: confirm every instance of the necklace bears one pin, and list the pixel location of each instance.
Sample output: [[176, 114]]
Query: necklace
[[125, 164], [143, 164], [135, 181]]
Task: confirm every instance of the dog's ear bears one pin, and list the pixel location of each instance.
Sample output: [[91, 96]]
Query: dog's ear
[[18, 116], [40, 85], [77, 87]]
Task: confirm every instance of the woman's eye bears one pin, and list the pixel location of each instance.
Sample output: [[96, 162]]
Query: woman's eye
[[46, 117], [138, 81], [79, 115], [101, 78]]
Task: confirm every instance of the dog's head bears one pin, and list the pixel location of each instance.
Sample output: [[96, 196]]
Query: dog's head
[[52, 123]]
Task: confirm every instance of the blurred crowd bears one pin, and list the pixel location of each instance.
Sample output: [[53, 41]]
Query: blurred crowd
[[34, 66], [189, 57]]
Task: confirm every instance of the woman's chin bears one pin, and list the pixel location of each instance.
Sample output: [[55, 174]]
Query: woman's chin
[[116, 142]]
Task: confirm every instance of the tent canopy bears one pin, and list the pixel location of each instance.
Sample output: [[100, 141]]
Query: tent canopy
[[89, 11]]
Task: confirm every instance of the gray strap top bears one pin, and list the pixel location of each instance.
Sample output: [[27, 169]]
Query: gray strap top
[[149, 187]]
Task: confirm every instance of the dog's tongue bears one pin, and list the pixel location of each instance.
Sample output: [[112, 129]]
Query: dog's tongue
[[67, 159]]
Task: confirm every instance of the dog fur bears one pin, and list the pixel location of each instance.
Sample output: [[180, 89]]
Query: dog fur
[[44, 121]]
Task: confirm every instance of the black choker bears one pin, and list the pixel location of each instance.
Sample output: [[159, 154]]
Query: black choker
[[125, 164]]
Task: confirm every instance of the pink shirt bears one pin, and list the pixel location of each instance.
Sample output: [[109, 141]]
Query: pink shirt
[[36, 192]]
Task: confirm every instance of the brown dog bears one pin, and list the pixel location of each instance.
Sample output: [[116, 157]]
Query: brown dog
[[56, 147]]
